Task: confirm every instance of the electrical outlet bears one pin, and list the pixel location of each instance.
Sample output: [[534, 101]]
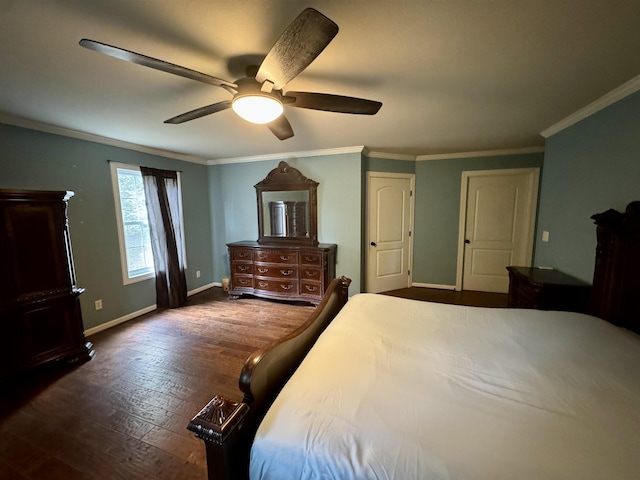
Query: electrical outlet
[[197, 273], [98, 304], [545, 236]]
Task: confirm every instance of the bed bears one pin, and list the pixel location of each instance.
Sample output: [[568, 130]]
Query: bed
[[398, 388]]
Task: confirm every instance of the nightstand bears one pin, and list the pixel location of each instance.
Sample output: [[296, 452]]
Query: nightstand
[[547, 289]]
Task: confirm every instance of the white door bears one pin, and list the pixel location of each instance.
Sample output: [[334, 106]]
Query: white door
[[389, 225], [498, 211]]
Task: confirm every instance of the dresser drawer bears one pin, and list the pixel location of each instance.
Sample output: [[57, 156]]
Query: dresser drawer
[[276, 271], [242, 268], [528, 296], [242, 282], [276, 256], [310, 273], [311, 288], [242, 254], [284, 286], [311, 258]]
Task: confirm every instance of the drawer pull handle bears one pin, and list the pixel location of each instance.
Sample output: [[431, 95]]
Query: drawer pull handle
[[310, 259], [263, 284], [243, 254], [311, 273], [285, 257], [286, 272], [263, 270], [243, 282], [262, 256], [284, 286], [243, 268], [310, 288]]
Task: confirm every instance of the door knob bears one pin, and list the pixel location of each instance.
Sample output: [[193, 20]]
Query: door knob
[[373, 244], [466, 240]]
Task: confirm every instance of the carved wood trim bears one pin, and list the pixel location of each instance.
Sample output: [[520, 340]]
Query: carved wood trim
[[285, 175], [217, 419]]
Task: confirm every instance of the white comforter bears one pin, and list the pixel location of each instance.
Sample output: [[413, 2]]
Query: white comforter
[[405, 389]]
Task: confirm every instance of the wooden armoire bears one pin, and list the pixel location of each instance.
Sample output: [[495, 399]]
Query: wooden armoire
[[616, 278], [40, 318]]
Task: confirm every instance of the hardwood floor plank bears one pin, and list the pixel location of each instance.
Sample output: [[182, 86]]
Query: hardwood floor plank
[[190, 450]]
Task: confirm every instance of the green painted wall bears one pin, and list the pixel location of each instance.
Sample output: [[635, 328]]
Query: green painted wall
[[339, 206], [40, 161], [590, 167], [437, 211]]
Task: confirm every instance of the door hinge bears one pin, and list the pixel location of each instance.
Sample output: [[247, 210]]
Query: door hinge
[[411, 193], [408, 273], [409, 232]]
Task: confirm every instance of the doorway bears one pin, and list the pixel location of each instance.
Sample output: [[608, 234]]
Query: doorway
[[389, 231], [497, 221]]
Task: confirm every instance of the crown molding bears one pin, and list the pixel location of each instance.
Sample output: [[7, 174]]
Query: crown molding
[[632, 86], [485, 153], [67, 132], [90, 137], [387, 156], [450, 156], [288, 155]]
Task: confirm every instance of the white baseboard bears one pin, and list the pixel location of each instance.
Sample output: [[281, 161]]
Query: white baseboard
[[203, 288], [434, 285], [151, 308], [118, 321]]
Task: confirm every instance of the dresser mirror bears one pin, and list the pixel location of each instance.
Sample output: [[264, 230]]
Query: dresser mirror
[[287, 208]]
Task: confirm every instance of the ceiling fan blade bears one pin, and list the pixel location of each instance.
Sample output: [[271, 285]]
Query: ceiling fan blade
[[161, 65], [332, 103], [297, 47], [281, 128], [200, 112]]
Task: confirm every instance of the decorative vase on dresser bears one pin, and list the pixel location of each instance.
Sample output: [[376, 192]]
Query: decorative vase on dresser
[[287, 262], [40, 318]]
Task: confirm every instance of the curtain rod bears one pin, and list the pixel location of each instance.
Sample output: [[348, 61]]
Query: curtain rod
[[132, 165]]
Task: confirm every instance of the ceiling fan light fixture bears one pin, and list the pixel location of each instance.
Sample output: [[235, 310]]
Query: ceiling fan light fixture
[[256, 108]]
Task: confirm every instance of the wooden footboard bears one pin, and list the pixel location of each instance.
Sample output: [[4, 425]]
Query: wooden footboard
[[228, 427]]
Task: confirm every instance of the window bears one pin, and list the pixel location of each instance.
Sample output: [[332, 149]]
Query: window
[[133, 224]]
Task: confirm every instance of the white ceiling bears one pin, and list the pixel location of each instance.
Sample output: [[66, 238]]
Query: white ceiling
[[453, 76]]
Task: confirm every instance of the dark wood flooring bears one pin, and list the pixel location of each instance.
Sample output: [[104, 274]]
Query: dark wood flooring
[[465, 297], [123, 415]]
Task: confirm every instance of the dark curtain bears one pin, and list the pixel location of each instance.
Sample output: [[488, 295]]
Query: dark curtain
[[163, 206]]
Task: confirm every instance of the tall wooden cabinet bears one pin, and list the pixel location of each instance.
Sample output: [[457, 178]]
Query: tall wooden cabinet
[[616, 278], [40, 318]]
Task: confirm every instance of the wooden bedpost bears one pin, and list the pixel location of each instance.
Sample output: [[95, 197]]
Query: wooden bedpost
[[228, 427]]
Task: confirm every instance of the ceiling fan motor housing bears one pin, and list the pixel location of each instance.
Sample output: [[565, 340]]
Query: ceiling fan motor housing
[[254, 104]]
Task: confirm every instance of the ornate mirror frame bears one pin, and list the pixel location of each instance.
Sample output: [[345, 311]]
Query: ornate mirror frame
[[284, 186]]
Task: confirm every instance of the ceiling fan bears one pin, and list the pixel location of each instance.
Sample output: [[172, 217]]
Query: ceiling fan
[[260, 97]]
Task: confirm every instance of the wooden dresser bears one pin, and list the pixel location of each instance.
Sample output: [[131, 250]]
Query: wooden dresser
[[546, 289], [40, 317], [299, 273]]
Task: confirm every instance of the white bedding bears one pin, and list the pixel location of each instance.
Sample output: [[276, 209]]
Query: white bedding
[[405, 389]]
